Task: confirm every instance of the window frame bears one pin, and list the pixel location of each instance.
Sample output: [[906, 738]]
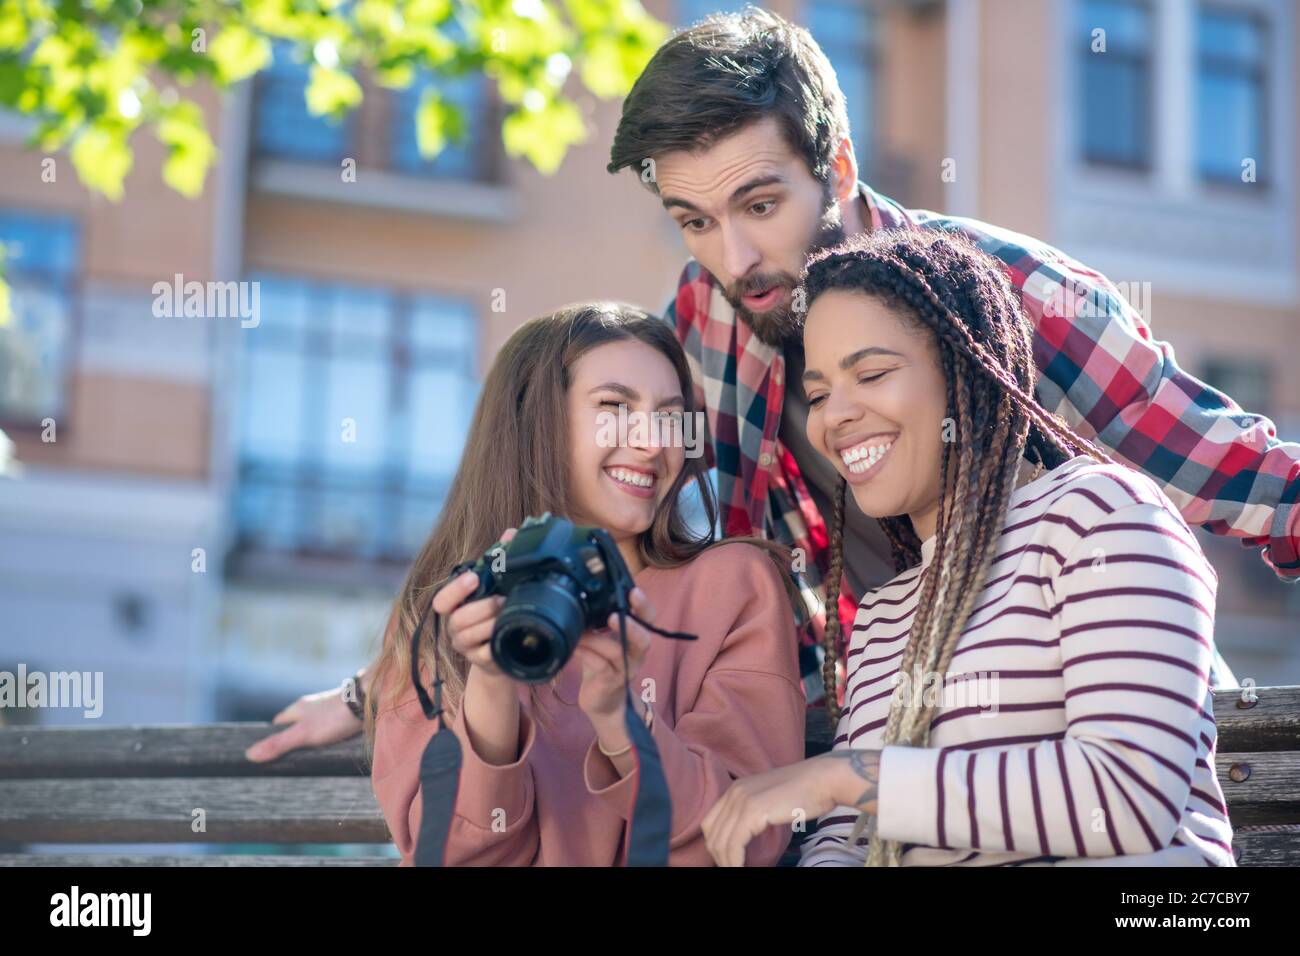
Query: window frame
[[308, 474], [71, 288], [1263, 77], [1147, 59]]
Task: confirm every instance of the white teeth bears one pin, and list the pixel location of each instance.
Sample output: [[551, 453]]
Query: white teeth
[[860, 458], [631, 477]]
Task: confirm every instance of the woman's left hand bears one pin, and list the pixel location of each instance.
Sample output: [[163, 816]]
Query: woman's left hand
[[780, 797], [602, 694]]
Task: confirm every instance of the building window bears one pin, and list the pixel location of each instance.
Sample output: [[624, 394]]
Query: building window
[[1116, 84], [355, 404], [284, 128], [844, 31], [40, 266], [1230, 93], [463, 160]]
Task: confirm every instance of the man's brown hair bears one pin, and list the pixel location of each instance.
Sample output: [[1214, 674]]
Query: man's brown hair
[[724, 73]]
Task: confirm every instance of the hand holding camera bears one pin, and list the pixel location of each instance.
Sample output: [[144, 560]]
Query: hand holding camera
[[473, 602], [471, 621], [603, 680], [542, 596]]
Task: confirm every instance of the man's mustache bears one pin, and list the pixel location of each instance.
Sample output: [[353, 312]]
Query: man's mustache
[[758, 283]]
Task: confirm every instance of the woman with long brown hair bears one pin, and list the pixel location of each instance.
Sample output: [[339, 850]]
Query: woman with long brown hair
[[1033, 686], [548, 775]]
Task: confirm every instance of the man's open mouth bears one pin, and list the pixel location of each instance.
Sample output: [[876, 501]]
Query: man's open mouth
[[763, 300]]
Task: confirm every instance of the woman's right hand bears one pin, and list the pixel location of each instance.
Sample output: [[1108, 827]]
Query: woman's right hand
[[314, 721], [491, 703], [469, 625]]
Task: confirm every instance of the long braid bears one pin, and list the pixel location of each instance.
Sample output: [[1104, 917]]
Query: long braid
[[903, 542], [984, 347], [831, 636]]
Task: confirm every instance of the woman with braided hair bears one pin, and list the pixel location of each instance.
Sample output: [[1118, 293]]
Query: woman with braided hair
[[1034, 684]]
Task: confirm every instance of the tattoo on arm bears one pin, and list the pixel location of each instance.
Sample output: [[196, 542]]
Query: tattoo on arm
[[866, 764]]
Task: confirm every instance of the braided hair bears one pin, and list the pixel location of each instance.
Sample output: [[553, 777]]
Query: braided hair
[[940, 282]]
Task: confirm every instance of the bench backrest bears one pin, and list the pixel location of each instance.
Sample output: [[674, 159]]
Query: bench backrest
[[187, 785]]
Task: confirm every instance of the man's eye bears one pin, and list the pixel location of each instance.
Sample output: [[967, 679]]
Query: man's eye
[[693, 225], [764, 207]]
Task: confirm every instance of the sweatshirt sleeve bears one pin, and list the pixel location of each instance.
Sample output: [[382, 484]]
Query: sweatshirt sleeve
[[494, 822], [1135, 611], [747, 718]]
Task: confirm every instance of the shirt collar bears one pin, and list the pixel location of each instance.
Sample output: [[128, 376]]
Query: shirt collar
[[881, 212]]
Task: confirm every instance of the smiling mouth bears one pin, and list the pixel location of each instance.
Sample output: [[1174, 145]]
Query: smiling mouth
[[863, 457], [639, 483]]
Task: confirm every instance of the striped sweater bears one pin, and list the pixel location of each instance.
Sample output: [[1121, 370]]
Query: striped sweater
[[1074, 725]]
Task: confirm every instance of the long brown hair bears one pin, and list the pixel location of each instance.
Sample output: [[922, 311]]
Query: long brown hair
[[516, 464], [942, 283]]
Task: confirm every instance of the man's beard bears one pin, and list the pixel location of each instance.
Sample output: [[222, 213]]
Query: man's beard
[[782, 324]]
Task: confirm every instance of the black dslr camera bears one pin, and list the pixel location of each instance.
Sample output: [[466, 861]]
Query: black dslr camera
[[559, 580]]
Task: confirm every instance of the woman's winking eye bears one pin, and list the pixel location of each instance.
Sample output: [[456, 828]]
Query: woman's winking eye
[[815, 400]]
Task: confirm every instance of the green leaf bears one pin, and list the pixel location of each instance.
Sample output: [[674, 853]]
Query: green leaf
[[331, 92], [396, 77], [436, 122], [238, 53], [190, 148], [13, 28], [426, 12], [604, 68], [544, 135], [102, 159], [430, 124]]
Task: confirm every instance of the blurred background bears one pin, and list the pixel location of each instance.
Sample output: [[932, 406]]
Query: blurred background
[[199, 531]]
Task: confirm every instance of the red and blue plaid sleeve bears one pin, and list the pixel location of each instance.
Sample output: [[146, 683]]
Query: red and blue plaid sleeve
[[1103, 372]]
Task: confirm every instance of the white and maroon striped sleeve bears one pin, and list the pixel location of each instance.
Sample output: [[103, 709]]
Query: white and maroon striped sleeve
[[1134, 603]]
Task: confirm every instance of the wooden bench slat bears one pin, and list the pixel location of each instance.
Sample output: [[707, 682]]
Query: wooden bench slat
[[1251, 846], [213, 859], [1271, 723], [153, 810], [1269, 795], [217, 750], [209, 750], [1267, 846]]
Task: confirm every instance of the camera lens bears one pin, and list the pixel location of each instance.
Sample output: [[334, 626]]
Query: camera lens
[[538, 628]]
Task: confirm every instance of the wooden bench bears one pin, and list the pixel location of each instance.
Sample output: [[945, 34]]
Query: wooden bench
[[143, 785]]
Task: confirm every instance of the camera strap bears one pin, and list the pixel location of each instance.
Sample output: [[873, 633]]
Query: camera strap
[[648, 830], [440, 762]]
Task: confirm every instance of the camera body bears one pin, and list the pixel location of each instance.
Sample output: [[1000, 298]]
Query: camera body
[[559, 580]]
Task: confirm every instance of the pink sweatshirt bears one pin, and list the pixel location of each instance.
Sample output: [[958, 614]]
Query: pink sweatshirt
[[728, 705]]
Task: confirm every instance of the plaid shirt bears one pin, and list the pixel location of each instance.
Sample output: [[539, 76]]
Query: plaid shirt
[[1101, 372]]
